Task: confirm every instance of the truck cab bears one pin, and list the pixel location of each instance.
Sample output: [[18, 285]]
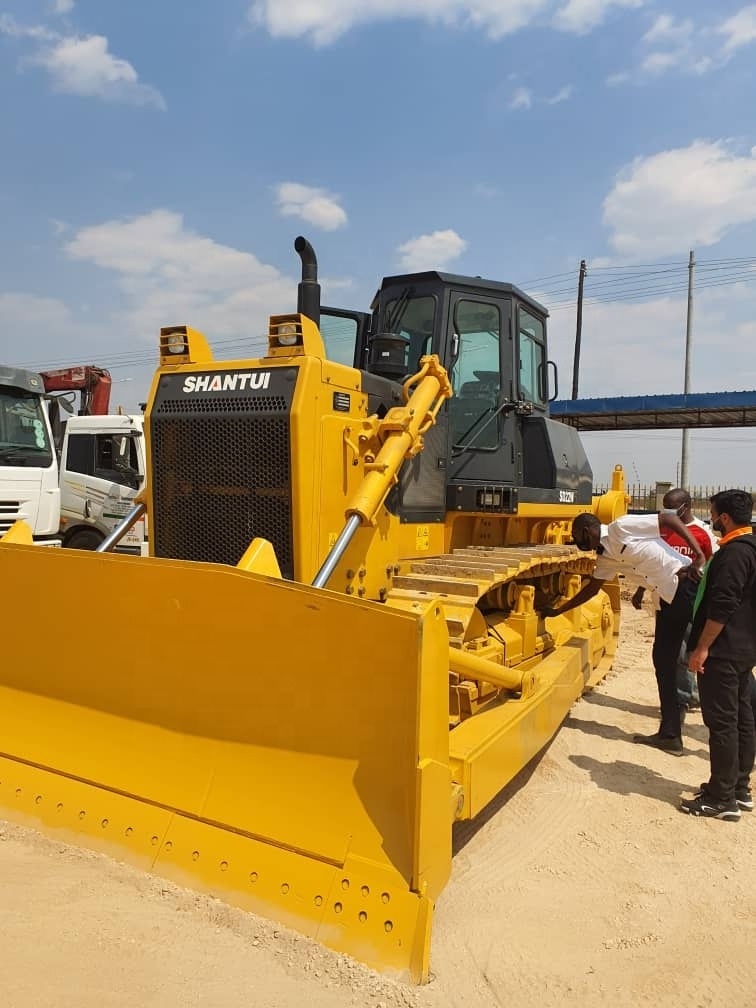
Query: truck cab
[[29, 489], [102, 466]]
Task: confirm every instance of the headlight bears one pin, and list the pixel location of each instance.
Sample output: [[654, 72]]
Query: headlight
[[288, 334], [176, 343]]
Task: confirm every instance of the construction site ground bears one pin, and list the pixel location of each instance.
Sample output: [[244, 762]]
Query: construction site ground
[[582, 885]]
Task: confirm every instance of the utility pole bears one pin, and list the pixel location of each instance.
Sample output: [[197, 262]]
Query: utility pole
[[578, 329], [686, 388]]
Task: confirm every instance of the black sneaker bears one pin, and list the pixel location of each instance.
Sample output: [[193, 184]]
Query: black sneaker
[[702, 805], [665, 743], [744, 799]]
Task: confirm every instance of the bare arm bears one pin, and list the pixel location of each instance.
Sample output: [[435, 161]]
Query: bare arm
[[673, 523], [589, 589]]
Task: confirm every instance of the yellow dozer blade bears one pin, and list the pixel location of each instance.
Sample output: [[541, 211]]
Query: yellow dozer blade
[[230, 736]]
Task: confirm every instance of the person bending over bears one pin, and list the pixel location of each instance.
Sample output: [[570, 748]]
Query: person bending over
[[633, 546]]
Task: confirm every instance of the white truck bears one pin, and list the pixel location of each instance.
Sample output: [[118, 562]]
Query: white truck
[[29, 487], [102, 466], [74, 498]]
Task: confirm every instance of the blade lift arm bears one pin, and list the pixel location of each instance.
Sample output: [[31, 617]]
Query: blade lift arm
[[383, 445]]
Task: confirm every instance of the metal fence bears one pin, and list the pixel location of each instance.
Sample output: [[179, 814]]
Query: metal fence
[[647, 498]]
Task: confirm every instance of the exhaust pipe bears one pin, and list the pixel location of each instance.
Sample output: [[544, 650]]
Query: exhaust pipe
[[308, 291]]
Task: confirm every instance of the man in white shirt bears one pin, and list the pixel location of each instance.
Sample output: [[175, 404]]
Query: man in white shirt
[[632, 546]]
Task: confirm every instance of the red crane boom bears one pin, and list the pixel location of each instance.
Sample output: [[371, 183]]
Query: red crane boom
[[92, 382]]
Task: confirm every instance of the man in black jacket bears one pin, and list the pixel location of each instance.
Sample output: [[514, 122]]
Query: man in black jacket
[[723, 652]]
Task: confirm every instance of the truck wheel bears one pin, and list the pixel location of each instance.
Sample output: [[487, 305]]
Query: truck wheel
[[86, 539]]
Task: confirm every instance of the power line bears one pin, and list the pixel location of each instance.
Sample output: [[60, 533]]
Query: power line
[[638, 274], [622, 285], [645, 293], [540, 280], [133, 358]]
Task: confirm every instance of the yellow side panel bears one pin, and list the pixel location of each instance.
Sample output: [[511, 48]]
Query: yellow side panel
[[257, 738]]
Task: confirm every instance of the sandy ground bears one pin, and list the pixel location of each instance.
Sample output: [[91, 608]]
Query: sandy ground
[[582, 885]]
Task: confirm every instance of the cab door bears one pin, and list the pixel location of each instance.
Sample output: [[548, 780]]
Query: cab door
[[483, 430]]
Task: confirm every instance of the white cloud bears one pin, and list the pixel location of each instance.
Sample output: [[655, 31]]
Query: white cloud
[[653, 330], [521, 99], [660, 61], [41, 312], [582, 16], [703, 65], [431, 251], [680, 45], [740, 29], [336, 283], [316, 206], [10, 27], [667, 29], [680, 199], [83, 66], [54, 325], [638, 330], [166, 274], [63, 6], [170, 274], [562, 95], [324, 21]]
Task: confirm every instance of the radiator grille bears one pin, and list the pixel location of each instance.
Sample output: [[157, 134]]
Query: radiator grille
[[221, 476], [10, 511]]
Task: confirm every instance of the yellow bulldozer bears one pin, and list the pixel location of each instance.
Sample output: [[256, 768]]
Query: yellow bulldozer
[[338, 638]]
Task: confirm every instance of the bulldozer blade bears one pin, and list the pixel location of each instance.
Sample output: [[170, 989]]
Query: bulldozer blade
[[221, 729]]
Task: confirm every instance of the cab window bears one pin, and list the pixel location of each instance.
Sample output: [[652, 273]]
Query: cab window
[[112, 457], [414, 318], [116, 459], [476, 374], [23, 430], [532, 359], [339, 337]]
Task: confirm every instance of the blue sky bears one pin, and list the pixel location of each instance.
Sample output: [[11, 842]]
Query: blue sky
[[159, 159]]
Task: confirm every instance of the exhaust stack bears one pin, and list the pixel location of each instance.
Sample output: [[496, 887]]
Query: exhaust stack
[[308, 291]]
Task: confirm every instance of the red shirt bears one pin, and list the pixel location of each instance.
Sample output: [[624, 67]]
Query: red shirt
[[679, 544]]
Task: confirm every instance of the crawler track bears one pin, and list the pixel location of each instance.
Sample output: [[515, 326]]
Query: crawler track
[[468, 580]]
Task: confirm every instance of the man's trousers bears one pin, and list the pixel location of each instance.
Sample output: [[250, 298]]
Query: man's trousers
[[671, 622], [725, 690]]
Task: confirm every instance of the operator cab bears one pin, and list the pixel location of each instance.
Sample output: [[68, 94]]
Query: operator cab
[[494, 444]]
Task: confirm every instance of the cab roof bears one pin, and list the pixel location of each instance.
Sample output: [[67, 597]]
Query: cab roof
[[20, 378], [458, 282], [107, 422]]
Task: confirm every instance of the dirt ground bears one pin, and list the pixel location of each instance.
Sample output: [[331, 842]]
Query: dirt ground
[[582, 885]]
